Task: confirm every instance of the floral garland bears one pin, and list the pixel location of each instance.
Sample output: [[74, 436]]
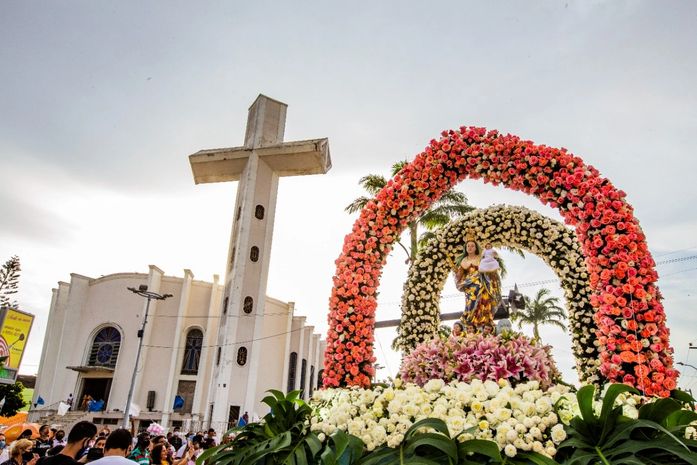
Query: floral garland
[[511, 357], [631, 331], [511, 226]]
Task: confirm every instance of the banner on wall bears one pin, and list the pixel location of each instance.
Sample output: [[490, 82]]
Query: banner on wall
[[15, 327]]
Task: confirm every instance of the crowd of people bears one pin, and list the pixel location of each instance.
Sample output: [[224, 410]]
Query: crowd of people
[[85, 445]]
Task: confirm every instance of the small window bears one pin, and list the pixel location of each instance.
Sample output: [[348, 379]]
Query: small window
[[225, 302], [292, 364], [241, 356], [239, 213], [254, 254], [232, 256], [319, 379], [259, 212], [303, 372], [248, 304], [312, 379], [217, 357]]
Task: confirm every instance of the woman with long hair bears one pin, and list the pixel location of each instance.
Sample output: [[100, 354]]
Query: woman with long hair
[[160, 455], [482, 290]]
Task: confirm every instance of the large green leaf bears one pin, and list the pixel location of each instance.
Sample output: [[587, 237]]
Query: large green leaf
[[437, 441], [435, 423], [585, 397], [480, 446], [610, 396]]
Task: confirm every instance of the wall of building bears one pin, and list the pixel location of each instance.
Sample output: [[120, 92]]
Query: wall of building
[[82, 307]]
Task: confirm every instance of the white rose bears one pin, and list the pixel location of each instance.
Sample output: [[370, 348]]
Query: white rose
[[558, 434], [510, 450]]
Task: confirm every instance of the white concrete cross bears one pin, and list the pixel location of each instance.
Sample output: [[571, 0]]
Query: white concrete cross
[[257, 166]]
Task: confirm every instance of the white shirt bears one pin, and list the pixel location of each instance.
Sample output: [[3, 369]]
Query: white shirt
[[113, 460]]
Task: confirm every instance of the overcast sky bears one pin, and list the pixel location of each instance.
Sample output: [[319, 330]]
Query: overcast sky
[[102, 102]]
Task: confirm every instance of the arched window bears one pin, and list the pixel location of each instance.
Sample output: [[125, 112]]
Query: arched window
[[303, 370], [248, 304], [319, 378], [292, 364], [254, 254], [259, 212], [312, 379], [105, 348], [241, 356], [192, 352]]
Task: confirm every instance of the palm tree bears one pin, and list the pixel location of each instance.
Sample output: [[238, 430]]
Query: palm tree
[[451, 205], [543, 310]]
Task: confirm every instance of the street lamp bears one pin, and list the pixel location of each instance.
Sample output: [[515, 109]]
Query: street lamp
[[143, 292]]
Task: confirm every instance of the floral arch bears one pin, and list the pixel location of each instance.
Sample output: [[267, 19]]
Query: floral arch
[[629, 317], [502, 225]]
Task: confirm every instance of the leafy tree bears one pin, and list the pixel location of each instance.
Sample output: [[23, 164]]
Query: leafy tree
[[543, 310], [9, 281], [14, 402], [451, 205]]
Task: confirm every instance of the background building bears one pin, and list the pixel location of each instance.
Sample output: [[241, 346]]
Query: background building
[[91, 342]]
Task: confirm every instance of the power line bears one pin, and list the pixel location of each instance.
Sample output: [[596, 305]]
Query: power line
[[231, 343]]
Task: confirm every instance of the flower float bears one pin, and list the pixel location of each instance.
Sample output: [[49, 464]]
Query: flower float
[[630, 321], [511, 357], [502, 225]]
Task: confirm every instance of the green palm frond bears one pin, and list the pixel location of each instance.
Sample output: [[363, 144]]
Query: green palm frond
[[515, 250], [425, 237], [544, 309], [357, 205], [454, 197], [373, 183], [433, 219], [397, 167]]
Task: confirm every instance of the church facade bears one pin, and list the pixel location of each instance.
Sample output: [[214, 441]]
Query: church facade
[[92, 338]]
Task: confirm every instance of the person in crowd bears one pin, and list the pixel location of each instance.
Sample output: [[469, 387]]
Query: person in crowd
[[26, 434], [159, 455], [105, 432], [44, 442], [213, 437], [488, 330], [470, 329], [118, 444], [78, 440], [4, 453], [100, 442], [96, 451], [55, 450], [457, 329], [141, 453], [188, 453], [176, 439], [59, 438], [21, 453], [70, 400]]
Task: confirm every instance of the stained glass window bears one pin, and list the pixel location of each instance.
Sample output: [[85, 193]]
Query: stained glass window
[[192, 352], [105, 348]]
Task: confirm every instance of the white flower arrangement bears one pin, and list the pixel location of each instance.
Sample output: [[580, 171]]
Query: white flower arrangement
[[521, 418], [502, 225]]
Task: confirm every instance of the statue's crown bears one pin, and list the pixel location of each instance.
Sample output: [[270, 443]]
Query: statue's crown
[[469, 235]]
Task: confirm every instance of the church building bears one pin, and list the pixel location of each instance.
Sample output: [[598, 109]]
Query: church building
[[92, 338]]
